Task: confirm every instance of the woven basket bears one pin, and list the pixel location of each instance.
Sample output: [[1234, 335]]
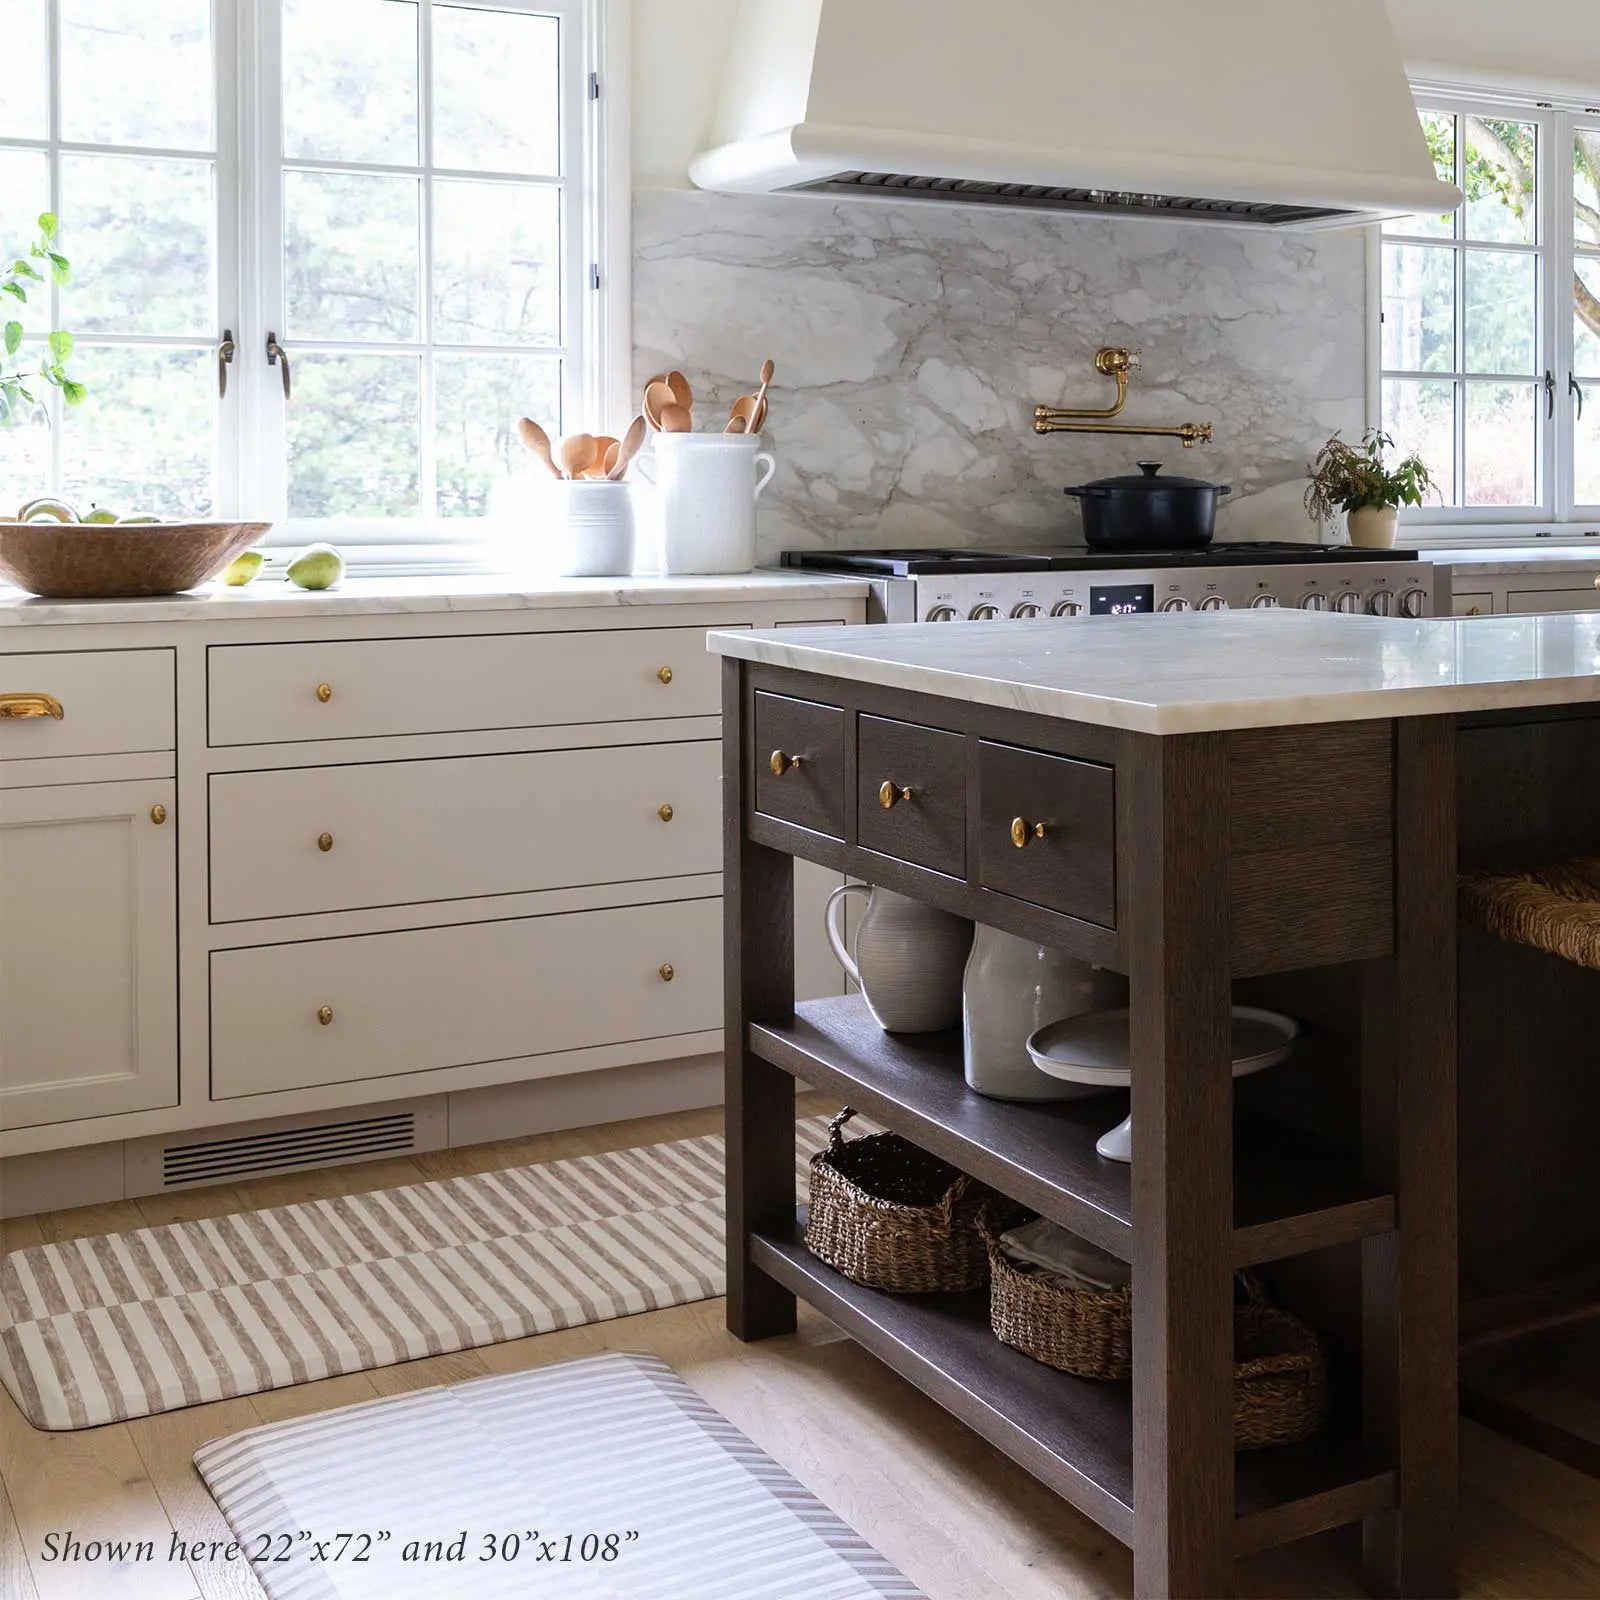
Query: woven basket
[[1551, 908], [890, 1216], [1280, 1386], [1087, 1332]]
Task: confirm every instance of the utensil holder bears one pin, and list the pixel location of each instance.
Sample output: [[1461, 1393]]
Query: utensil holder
[[707, 485], [591, 528]]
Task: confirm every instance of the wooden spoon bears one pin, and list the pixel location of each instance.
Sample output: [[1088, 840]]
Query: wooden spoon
[[658, 395], [681, 392], [631, 441], [737, 424], [575, 454], [608, 459], [538, 442], [676, 419], [604, 445], [741, 414], [759, 420]]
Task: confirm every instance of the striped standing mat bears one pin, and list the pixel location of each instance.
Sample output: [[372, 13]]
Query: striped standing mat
[[127, 1324], [601, 1479]]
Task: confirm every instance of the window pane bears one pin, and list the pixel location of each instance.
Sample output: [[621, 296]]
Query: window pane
[[1499, 174], [496, 90], [136, 72], [24, 193], [25, 102], [140, 235], [355, 431], [1419, 308], [1586, 185], [1502, 444], [478, 400], [1586, 317], [24, 459], [350, 80], [1420, 416], [1586, 487], [352, 257], [1440, 131], [144, 440], [1501, 312], [496, 263]]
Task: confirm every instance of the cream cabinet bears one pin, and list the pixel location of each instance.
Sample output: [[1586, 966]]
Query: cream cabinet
[[88, 951]]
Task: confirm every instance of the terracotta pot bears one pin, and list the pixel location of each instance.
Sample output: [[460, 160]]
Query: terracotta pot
[[1372, 527]]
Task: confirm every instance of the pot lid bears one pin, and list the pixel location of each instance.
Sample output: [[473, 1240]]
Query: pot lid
[[1150, 477]]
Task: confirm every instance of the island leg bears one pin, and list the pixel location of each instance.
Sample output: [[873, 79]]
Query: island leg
[[758, 986], [1183, 1488]]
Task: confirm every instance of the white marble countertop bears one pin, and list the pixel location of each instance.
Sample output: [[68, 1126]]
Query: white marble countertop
[[391, 596], [1208, 672], [1492, 561]]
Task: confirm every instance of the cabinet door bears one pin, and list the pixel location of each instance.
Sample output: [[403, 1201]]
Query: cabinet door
[[88, 951]]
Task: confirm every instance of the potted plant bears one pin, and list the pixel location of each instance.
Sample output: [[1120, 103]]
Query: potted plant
[[1354, 479]]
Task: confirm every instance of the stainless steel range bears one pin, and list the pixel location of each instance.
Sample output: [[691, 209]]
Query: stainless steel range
[[981, 585]]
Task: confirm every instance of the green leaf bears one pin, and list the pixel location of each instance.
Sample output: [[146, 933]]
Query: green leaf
[[73, 392], [60, 345], [16, 289], [26, 269], [49, 223], [13, 338], [60, 267]]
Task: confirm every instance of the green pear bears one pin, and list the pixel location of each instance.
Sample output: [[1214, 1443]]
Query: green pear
[[318, 566], [131, 522], [43, 509], [97, 515], [243, 569]]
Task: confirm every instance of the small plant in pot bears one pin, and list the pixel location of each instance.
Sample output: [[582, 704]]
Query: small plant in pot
[[1354, 478]]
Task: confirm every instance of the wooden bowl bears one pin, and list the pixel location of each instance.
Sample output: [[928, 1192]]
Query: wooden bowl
[[103, 561]]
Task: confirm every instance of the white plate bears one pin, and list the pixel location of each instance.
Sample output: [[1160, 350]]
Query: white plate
[[1094, 1049]]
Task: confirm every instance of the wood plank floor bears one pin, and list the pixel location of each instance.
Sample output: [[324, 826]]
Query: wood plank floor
[[960, 1519]]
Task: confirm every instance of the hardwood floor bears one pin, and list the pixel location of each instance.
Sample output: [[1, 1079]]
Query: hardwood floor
[[959, 1519]]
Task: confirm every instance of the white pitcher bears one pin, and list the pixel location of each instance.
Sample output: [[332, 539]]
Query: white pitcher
[[908, 958], [707, 485]]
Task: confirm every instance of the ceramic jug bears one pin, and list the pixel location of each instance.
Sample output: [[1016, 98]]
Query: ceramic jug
[[1011, 987], [707, 485], [908, 958]]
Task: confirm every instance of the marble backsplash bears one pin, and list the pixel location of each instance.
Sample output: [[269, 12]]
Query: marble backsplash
[[913, 342]]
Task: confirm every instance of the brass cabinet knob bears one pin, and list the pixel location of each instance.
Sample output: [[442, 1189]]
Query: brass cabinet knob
[[780, 763], [665, 813], [665, 674], [668, 971], [24, 707], [158, 814], [324, 842], [1023, 832], [889, 795], [324, 692], [325, 1015]]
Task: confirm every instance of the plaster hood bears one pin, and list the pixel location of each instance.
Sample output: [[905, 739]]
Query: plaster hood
[[1273, 113]]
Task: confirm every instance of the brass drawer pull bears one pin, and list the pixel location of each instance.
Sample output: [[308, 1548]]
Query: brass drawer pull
[[889, 795], [780, 763], [158, 814], [1023, 832], [665, 813], [324, 692], [668, 971], [324, 842], [325, 1015], [665, 674], [22, 707]]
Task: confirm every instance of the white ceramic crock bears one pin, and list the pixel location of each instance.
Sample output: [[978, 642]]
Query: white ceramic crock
[[590, 528], [707, 485], [1373, 527], [908, 958]]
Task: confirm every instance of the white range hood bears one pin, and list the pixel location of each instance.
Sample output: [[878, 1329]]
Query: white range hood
[[1277, 113]]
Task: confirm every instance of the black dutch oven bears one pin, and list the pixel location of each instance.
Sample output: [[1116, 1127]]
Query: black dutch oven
[[1149, 512]]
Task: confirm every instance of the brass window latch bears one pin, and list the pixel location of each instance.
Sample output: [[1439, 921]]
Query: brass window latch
[[1116, 363]]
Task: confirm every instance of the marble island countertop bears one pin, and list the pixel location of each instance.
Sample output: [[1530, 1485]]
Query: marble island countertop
[[356, 596], [1207, 673]]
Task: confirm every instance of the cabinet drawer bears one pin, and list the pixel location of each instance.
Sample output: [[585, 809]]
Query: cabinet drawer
[[314, 839], [1071, 867], [400, 1003], [274, 693], [113, 702], [928, 826], [799, 756]]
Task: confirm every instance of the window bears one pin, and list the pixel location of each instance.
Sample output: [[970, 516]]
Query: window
[[401, 196], [1489, 328]]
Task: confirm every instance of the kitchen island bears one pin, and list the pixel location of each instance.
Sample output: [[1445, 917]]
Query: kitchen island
[[1257, 807]]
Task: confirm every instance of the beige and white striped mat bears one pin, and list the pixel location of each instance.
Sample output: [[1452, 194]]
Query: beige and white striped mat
[[601, 1479], [127, 1324]]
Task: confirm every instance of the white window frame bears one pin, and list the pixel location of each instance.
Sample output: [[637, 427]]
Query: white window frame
[[1557, 516]]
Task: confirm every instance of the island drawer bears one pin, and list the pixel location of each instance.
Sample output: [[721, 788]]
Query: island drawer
[[369, 688], [1047, 831], [112, 702], [799, 762], [911, 800], [296, 1016]]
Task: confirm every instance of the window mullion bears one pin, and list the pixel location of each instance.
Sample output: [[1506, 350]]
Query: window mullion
[[428, 476], [1563, 265]]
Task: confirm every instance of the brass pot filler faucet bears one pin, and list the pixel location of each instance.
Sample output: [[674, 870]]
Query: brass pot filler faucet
[[1115, 363]]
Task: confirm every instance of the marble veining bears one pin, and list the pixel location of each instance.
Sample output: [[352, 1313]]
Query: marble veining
[[913, 342], [1206, 673]]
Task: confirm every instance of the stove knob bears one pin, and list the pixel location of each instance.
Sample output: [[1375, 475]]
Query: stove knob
[[1176, 603], [1348, 601], [1066, 608], [984, 613], [942, 614], [1382, 604], [1414, 603], [1213, 602], [1264, 602], [1027, 609], [1314, 602]]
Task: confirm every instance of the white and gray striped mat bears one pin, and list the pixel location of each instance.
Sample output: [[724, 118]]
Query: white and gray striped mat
[[601, 1479], [128, 1324]]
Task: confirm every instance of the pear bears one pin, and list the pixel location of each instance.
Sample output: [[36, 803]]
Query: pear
[[318, 566], [243, 569], [41, 510], [97, 515], [130, 522]]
